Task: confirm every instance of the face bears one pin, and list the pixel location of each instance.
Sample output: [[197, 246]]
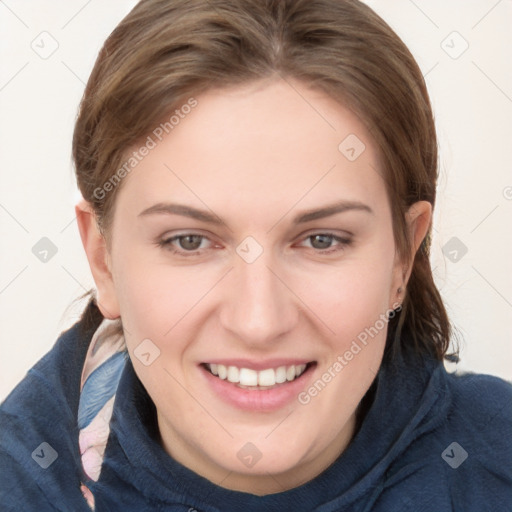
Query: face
[[251, 256]]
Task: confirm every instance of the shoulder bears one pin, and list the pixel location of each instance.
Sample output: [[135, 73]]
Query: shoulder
[[479, 415], [478, 453], [458, 458], [52, 382], [480, 402], [39, 454]]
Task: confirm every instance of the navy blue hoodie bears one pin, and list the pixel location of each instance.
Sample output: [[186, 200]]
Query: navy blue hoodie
[[429, 441]]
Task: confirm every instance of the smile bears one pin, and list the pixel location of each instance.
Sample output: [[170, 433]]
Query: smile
[[248, 378], [257, 385]]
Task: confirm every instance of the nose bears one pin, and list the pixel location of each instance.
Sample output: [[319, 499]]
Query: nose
[[260, 306]]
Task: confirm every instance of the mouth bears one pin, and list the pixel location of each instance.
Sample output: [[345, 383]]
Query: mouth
[[257, 386], [258, 379]]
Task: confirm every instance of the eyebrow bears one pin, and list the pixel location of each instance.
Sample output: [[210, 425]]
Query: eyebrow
[[211, 218]]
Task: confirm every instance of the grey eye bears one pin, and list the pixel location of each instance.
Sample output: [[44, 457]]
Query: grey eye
[[190, 242], [325, 241]]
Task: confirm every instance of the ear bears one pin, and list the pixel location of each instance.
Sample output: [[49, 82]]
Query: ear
[[99, 259], [418, 218]]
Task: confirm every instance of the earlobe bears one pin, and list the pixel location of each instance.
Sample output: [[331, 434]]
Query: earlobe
[[97, 255]]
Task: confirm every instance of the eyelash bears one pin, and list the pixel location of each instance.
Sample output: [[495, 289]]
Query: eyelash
[[166, 243]]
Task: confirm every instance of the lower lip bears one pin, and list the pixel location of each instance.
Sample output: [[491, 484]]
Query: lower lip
[[265, 400]]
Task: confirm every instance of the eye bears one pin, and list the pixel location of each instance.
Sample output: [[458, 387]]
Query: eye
[[189, 243], [322, 242]]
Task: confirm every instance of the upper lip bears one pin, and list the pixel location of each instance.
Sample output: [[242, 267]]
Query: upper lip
[[261, 364]]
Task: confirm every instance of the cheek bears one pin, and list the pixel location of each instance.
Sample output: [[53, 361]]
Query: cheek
[[353, 297], [151, 293], [355, 309], [154, 299], [155, 304]]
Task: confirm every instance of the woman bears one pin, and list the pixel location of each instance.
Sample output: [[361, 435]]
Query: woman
[[258, 179]]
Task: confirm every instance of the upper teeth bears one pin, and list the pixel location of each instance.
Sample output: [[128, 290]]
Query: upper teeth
[[249, 377]]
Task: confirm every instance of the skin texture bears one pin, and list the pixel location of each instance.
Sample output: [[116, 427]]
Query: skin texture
[[255, 156]]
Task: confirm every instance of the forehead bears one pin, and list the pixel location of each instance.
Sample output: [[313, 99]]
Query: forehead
[[266, 145]]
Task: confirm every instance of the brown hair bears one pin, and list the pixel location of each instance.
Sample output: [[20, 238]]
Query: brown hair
[[165, 51]]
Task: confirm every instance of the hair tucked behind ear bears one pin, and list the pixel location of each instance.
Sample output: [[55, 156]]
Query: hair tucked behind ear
[[166, 51]]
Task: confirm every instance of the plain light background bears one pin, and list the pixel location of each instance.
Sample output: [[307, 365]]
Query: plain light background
[[464, 49]]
